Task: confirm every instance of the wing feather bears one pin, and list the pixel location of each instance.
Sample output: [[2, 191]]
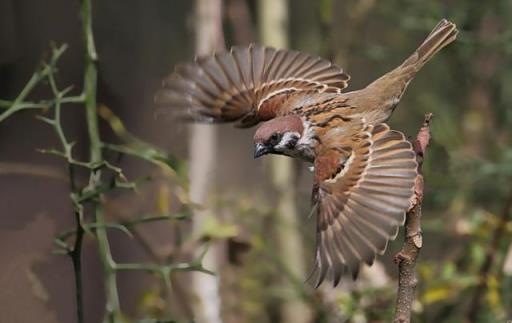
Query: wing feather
[[246, 84], [362, 193]]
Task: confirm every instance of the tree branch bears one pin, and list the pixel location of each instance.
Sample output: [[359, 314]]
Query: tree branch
[[113, 309], [19, 103], [406, 258], [92, 194]]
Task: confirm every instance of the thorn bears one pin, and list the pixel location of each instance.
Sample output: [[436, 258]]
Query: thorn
[[46, 120]]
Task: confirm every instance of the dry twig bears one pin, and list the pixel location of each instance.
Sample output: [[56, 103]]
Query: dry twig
[[406, 258]]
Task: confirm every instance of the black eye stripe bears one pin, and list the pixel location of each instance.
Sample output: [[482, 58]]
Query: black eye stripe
[[275, 138]]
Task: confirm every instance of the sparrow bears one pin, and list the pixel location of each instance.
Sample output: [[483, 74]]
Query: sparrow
[[364, 172]]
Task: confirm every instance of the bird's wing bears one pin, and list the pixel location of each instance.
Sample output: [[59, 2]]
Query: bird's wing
[[245, 84], [363, 187]]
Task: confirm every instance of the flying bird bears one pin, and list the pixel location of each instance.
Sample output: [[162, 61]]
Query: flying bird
[[364, 172]]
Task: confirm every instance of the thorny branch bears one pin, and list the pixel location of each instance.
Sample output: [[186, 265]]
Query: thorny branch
[[42, 73], [406, 258], [92, 192], [76, 252], [47, 72]]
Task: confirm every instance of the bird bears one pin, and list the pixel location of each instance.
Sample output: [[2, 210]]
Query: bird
[[364, 172]]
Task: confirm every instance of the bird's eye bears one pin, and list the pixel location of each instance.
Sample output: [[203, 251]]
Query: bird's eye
[[274, 139]]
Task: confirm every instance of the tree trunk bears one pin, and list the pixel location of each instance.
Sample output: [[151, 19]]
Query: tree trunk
[[274, 32], [209, 37]]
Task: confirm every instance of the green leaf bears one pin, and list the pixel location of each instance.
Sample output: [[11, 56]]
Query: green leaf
[[213, 228]]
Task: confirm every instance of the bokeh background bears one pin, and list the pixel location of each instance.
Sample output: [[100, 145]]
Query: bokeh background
[[254, 214]]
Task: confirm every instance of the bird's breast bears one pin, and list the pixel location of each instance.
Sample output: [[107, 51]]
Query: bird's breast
[[305, 153]]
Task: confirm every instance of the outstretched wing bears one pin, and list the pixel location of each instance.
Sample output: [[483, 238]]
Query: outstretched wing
[[246, 84], [363, 187]]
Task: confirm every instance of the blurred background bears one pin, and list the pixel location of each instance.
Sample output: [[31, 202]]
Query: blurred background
[[254, 213]]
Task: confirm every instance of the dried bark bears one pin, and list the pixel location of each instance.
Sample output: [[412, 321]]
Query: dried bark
[[406, 258]]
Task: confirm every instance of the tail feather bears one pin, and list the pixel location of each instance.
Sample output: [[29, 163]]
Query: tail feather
[[395, 82], [387, 90], [442, 35]]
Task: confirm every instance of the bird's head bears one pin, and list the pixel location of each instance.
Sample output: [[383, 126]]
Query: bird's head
[[278, 136]]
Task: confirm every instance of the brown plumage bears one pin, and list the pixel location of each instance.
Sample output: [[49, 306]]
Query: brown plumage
[[364, 172]]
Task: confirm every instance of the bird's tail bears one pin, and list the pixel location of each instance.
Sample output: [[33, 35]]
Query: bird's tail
[[388, 89], [443, 34]]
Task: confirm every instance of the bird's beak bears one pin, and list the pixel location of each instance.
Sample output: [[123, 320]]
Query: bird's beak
[[260, 150]]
